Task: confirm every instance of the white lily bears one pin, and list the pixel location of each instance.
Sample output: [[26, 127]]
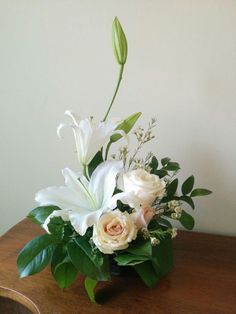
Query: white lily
[[90, 136], [82, 201]]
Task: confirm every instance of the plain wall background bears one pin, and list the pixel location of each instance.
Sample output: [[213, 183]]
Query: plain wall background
[[56, 55]]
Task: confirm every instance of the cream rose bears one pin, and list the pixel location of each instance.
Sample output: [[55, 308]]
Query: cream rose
[[114, 231], [146, 187], [143, 216]]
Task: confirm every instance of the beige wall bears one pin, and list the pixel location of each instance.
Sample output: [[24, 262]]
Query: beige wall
[[56, 55]]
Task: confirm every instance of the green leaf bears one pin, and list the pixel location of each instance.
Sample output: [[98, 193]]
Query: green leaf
[[56, 226], [62, 269], [36, 255], [143, 248], [161, 173], [65, 274], [96, 161], [162, 257], [97, 258], [86, 265], [58, 256], [39, 214], [154, 163], [119, 42], [164, 222], [171, 189], [136, 254], [165, 161], [126, 125], [160, 264], [90, 285], [147, 273], [172, 166], [200, 192], [187, 186], [186, 220], [128, 259], [187, 200]]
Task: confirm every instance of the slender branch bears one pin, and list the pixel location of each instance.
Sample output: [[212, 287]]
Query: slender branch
[[116, 90]]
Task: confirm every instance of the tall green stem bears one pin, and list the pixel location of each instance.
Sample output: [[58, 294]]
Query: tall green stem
[[116, 90]]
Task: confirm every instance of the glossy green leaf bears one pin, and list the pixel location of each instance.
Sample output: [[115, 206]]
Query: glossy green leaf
[[164, 222], [186, 220], [65, 274], [90, 285], [144, 249], [119, 42], [62, 269], [154, 164], [187, 186], [128, 259], [172, 166], [39, 214], [187, 200], [200, 192], [135, 254], [162, 257], [172, 187], [126, 125], [147, 273], [36, 255], [59, 255], [160, 173], [96, 161], [86, 265], [97, 258], [160, 264], [56, 226], [165, 161]]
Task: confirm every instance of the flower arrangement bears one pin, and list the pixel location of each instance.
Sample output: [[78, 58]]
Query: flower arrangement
[[116, 211]]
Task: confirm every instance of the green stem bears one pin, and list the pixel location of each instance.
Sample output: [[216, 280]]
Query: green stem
[[107, 150], [116, 90], [85, 171]]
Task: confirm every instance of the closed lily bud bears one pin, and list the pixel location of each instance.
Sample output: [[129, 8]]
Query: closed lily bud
[[119, 42]]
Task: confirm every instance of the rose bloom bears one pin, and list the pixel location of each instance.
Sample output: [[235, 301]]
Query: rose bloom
[[145, 187], [143, 216], [114, 231]]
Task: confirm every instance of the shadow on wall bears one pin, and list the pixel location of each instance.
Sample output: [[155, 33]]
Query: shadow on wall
[[213, 175]]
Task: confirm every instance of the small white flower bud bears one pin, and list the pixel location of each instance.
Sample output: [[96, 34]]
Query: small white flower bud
[[145, 233], [155, 241], [174, 233], [174, 216], [173, 204], [178, 210]]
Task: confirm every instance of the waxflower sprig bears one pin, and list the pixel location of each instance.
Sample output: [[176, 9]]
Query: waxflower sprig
[[115, 210]]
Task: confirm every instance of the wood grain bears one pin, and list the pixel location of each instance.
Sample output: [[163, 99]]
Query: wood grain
[[203, 280]]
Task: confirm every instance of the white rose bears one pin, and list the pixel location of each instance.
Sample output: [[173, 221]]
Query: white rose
[[114, 231], [146, 187]]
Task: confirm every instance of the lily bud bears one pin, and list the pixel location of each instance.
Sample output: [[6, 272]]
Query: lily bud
[[119, 42]]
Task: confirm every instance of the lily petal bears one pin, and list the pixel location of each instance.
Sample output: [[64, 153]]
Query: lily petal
[[78, 184], [103, 181], [82, 220], [60, 196]]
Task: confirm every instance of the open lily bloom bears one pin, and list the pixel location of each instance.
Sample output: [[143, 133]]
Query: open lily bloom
[[90, 136], [82, 201]]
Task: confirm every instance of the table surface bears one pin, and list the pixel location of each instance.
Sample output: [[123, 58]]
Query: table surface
[[203, 280]]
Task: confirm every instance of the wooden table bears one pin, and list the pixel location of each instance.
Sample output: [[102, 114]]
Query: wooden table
[[203, 281]]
